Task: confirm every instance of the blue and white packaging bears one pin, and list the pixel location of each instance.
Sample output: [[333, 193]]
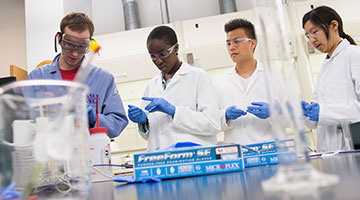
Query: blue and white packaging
[[188, 161], [267, 153]]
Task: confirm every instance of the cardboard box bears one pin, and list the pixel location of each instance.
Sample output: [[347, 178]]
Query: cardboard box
[[267, 153], [188, 161]]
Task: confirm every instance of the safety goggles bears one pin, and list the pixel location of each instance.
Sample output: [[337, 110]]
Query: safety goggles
[[163, 54], [314, 33], [69, 45], [237, 42]]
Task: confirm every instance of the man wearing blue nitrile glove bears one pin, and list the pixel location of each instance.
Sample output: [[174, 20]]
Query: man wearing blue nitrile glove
[[76, 31], [159, 104], [179, 104], [91, 116], [259, 109], [313, 111], [233, 113], [137, 115], [242, 84]]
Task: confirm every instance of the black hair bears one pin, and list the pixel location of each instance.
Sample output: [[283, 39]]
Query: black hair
[[241, 23], [322, 17], [164, 33]]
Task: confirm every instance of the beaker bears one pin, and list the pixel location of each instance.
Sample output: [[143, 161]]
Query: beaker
[[43, 139], [283, 91], [345, 130]]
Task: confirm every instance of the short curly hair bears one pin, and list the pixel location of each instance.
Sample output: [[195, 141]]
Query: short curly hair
[[77, 21], [165, 33]]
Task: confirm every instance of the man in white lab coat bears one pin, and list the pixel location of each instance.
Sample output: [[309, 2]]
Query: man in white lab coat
[[241, 91], [181, 101]]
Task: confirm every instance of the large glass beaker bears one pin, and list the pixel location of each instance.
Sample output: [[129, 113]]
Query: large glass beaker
[[43, 139], [285, 104]]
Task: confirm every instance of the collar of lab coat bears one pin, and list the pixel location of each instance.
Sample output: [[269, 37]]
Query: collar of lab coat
[[182, 71], [259, 67], [344, 43], [54, 70]]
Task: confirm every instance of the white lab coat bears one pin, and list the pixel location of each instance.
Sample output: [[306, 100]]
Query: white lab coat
[[338, 94], [248, 128], [196, 117]]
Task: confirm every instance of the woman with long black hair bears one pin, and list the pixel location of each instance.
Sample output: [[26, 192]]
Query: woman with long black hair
[[336, 98]]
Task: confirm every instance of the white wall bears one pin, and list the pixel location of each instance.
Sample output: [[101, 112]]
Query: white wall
[[107, 17], [12, 32], [190, 9], [43, 17], [78, 5], [149, 13], [42, 22]]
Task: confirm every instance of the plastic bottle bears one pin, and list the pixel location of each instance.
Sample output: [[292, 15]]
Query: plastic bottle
[[100, 154]]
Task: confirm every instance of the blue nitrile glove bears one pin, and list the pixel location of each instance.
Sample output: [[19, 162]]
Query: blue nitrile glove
[[182, 144], [260, 109], [9, 192], [137, 115], [159, 104], [305, 111], [91, 116], [131, 179], [313, 111], [233, 113]]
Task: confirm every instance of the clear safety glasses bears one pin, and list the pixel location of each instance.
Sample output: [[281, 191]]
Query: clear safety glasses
[[163, 54], [237, 41], [314, 33]]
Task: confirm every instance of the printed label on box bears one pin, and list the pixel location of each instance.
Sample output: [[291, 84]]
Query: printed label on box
[[266, 153], [187, 161]]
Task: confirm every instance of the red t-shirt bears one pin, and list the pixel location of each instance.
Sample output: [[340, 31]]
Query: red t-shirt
[[68, 75]]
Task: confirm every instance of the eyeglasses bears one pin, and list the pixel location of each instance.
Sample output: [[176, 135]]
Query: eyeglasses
[[163, 54], [70, 46], [237, 42], [312, 34]]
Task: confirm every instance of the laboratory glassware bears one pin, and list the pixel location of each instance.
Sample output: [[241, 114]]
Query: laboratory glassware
[[44, 130]]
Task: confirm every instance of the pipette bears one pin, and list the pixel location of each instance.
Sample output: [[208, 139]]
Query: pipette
[[86, 63], [81, 75], [97, 112]]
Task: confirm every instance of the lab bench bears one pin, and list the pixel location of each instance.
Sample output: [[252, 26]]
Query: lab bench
[[240, 185]]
